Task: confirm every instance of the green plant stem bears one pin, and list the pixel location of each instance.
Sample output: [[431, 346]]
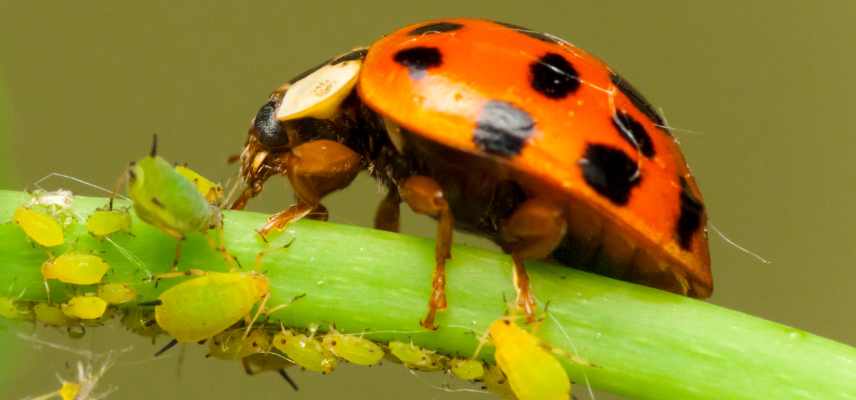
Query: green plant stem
[[639, 342]]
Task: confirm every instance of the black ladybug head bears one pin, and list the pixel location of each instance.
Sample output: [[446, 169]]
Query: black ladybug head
[[267, 128]]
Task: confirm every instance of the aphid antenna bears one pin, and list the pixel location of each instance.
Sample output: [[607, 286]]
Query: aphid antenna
[[37, 184], [576, 352], [734, 244]]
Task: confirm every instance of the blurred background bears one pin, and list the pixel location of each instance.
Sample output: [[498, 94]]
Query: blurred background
[[759, 91]]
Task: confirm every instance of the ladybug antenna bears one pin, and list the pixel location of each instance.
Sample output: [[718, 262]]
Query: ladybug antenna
[[154, 151]]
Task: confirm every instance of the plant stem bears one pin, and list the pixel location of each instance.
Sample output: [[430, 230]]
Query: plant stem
[[639, 342]]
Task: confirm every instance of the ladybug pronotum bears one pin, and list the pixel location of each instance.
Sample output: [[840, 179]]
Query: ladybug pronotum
[[495, 129]]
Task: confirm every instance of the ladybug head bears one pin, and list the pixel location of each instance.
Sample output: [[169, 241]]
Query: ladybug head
[[267, 129]]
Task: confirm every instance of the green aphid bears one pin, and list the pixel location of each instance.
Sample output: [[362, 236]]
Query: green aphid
[[467, 369], [168, 201], [50, 315], [415, 357], [103, 223], [354, 349], [305, 351], [9, 308]]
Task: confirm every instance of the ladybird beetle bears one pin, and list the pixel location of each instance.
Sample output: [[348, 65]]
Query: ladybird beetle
[[495, 129]]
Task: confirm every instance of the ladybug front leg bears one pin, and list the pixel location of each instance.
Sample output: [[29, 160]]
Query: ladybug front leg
[[424, 196], [533, 231], [315, 169]]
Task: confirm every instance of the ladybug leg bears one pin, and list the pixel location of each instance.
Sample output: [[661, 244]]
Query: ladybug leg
[[315, 169], [388, 213], [424, 196], [533, 231]]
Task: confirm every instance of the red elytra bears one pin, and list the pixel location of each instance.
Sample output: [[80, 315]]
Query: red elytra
[[492, 128]]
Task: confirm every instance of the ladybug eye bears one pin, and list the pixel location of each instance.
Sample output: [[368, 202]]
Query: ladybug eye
[[267, 127]]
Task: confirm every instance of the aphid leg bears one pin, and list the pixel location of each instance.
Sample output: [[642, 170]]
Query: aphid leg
[[288, 379], [177, 274], [166, 347], [314, 170], [533, 231], [219, 245], [388, 214], [424, 196]]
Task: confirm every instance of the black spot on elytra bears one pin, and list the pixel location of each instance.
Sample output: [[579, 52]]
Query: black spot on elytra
[[436, 27], [356, 54], [689, 221], [610, 172], [544, 37], [267, 127], [638, 100], [502, 128], [553, 76], [419, 59], [633, 131]]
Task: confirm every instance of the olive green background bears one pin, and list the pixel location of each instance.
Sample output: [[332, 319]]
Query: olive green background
[[763, 93]]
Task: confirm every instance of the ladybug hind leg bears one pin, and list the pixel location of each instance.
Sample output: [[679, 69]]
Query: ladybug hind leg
[[424, 196], [314, 169], [532, 231], [388, 213]]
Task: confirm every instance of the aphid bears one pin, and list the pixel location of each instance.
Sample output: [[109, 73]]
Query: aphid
[[141, 321], [50, 315], [57, 203], [212, 192], [533, 372], [84, 307], [305, 351], [261, 362], [40, 227], [103, 223], [168, 201], [76, 268], [236, 344], [354, 349], [467, 369], [496, 382], [415, 357], [116, 293], [253, 349], [510, 133], [204, 306], [9, 308]]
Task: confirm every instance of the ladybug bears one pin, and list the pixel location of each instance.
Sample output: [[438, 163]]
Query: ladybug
[[495, 129]]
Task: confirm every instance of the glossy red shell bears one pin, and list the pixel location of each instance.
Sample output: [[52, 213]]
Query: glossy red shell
[[484, 61]]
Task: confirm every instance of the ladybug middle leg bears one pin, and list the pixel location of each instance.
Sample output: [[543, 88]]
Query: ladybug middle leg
[[533, 231], [388, 214], [424, 196], [314, 170]]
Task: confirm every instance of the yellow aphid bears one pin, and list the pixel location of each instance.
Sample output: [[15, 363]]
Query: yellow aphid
[[232, 345], [496, 382], [415, 357], [116, 293], [305, 351], [50, 315], [212, 192], [202, 307], [532, 371], [354, 349], [40, 227], [84, 307], [103, 223], [69, 390], [467, 369], [75, 268]]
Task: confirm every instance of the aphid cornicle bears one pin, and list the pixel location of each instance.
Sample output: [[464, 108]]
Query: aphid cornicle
[[548, 152]]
